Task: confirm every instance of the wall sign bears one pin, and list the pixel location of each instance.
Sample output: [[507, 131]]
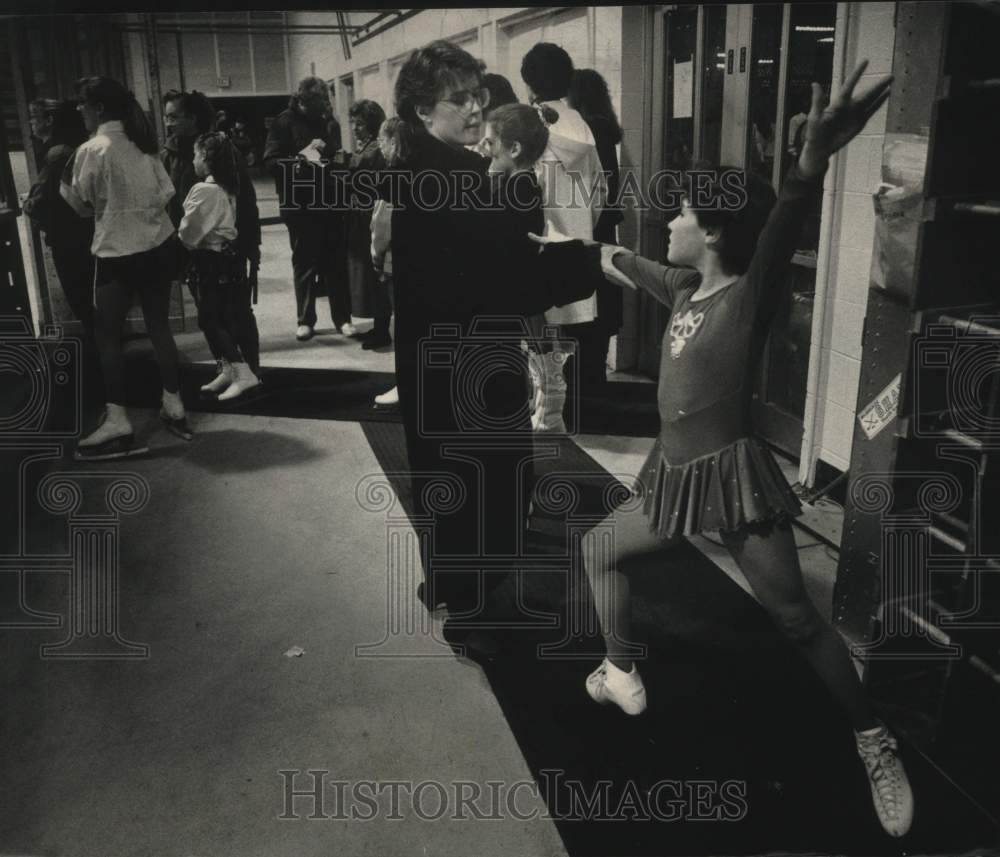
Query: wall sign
[[881, 411]]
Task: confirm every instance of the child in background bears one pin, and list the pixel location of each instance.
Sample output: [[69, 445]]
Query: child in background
[[208, 230], [393, 141]]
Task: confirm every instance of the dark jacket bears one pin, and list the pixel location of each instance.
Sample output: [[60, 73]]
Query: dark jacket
[[360, 271], [62, 226], [300, 185], [609, 296], [177, 157], [457, 269]]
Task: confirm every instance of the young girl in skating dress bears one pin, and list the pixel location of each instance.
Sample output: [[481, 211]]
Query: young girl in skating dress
[[707, 470]]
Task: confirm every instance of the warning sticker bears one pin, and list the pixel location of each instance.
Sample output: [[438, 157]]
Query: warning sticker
[[881, 411]]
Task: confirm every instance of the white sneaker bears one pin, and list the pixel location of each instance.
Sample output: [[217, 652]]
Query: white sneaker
[[891, 792], [390, 397], [243, 380], [609, 684], [222, 380], [303, 332], [347, 329]]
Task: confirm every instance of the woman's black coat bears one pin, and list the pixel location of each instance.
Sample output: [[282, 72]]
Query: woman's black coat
[[465, 277]]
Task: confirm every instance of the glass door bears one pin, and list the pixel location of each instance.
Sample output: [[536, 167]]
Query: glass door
[[736, 85], [791, 47]]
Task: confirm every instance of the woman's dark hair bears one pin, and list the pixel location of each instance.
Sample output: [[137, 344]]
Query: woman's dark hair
[[741, 224], [520, 123], [67, 125], [548, 70], [371, 114], [196, 105], [427, 73], [400, 131], [120, 104], [501, 93], [588, 94], [220, 157]]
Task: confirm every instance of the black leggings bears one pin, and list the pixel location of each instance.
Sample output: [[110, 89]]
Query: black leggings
[[118, 279]]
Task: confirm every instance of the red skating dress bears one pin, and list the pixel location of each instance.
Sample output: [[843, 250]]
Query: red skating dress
[[707, 470]]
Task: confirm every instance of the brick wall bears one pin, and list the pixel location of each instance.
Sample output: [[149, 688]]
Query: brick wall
[[869, 35]]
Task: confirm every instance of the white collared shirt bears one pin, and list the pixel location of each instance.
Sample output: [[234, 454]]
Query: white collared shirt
[[209, 217], [124, 189]]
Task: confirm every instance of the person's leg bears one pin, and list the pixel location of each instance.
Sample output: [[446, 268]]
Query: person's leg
[[154, 293], [243, 323], [770, 564], [212, 311], [332, 240], [112, 299], [629, 536], [304, 268]]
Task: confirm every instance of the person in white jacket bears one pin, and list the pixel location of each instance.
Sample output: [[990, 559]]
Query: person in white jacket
[[574, 191], [116, 178]]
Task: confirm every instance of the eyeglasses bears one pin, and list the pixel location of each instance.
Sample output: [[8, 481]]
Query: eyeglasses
[[462, 100]]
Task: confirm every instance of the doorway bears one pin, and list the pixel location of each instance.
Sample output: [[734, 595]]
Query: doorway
[[737, 82]]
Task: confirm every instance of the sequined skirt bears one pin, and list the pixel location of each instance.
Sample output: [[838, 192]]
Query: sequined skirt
[[726, 490]]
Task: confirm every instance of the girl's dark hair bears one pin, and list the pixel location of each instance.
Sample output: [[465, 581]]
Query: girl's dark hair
[[67, 125], [548, 70], [740, 225], [588, 94], [519, 123], [220, 157], [427, 73], [399, 130], [501, 93], [120, 104], [371, 114]]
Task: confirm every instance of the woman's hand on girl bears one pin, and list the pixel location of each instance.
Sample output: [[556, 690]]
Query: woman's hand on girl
[[832, 124]]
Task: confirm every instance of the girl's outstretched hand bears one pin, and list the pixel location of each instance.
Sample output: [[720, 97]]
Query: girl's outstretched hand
[[832, 124]]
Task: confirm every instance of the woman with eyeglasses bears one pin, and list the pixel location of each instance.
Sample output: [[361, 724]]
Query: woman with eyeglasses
[[461, 375]]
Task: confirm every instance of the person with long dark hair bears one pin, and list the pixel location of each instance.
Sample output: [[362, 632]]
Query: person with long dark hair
[[730, 247], [457, 268], [117, 179], [208, 231], [67, 235], [589, 95]]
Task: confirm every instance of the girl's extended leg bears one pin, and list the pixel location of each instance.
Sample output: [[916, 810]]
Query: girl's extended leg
[[621, 535], [771, 565], [155, 297]]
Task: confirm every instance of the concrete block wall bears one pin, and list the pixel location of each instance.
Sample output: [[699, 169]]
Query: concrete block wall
[[869, 34]]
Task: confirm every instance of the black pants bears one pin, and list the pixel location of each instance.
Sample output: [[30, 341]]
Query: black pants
[[75, 268], [118, 279], [223, 296], [319, 264], [587, 369], [383, 304]]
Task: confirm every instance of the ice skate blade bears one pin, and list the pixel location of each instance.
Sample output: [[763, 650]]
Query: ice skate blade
[[178, 428], [119, 447]]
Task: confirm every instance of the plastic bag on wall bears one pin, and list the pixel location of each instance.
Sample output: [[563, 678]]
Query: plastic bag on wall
[[898, 210]]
